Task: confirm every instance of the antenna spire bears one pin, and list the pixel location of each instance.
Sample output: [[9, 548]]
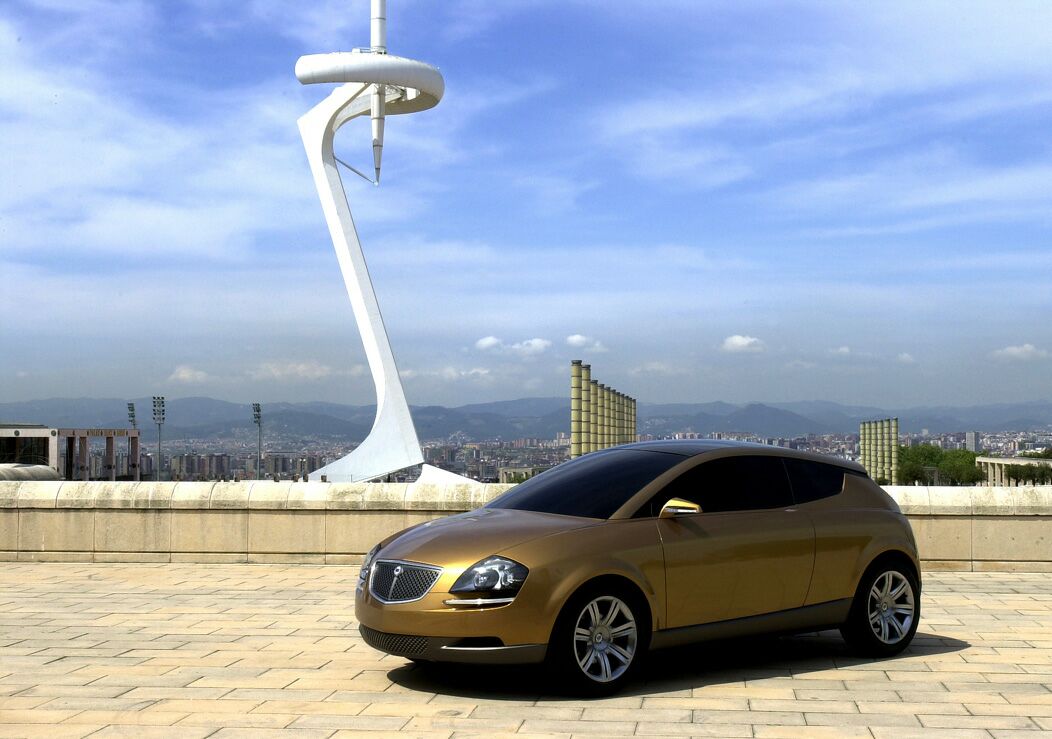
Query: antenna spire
[[378, 42]]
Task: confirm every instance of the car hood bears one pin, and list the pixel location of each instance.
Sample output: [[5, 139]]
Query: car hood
[[465, 538]]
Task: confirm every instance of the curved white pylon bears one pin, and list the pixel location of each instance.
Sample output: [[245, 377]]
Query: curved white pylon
[[405, 86]]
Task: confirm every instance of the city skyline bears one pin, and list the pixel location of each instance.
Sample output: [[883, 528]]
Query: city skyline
[[766, 201]]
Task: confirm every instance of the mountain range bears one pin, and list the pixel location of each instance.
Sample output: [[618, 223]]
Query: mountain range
[[208, 418]]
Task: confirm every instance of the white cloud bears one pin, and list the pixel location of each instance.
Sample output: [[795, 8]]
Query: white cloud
[[1023, 352], [530, 347], [527, 348], [586, 343], [906, 358], [737, 344], [309, 370], [841, 351], [488, 342], [448, 374], [659, 369], [187, 375], [554, 194]]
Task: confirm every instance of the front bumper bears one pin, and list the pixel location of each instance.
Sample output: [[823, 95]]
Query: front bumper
[[452, 648], [429, 628]]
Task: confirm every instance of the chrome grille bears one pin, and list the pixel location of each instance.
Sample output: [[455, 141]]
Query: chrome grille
[[400, 582], [400, 644]]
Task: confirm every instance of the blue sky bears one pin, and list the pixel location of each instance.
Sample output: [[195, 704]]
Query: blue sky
[[707, 200]]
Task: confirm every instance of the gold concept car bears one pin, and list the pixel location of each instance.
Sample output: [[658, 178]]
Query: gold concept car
[[643, 546]]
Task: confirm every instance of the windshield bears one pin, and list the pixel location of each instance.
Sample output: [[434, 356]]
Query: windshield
[[592, 486]]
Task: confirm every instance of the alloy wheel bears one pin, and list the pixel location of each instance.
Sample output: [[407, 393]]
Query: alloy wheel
[[605, 639], [891, 607]]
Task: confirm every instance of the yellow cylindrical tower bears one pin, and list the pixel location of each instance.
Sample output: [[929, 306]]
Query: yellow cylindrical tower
[[575, 408]]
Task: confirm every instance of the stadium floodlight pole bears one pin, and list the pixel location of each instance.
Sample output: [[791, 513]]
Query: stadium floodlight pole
[[158, 418], [370, 82], [131, 415], [257, 417]]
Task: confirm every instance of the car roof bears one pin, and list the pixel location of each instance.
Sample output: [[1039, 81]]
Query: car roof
[[694, 447]]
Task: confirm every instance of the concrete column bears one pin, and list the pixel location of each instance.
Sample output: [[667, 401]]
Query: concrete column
[[593, 430], [863, 446], [111, 459], [602, 415], [882, 447], [620, 418], [887, 449], [624, 418], [604, 420], [83, 472], [871, 467], [52, 451], [989, 470], [586, 408], [69, 473], [894, 451], [882, 450], [862, 443], [575, 408], [134, 463], [598, 408], [632, 435]]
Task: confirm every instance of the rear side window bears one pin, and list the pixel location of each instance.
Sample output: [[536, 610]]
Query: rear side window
[[814, 480], [592, 486], [745, 483]]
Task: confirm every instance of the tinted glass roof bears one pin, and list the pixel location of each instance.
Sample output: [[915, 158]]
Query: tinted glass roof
[[690, 447]]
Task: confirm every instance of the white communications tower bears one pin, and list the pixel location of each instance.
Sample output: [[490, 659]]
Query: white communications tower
[[372, 82]]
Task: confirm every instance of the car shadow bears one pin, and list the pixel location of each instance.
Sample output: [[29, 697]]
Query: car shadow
[[672, 671]]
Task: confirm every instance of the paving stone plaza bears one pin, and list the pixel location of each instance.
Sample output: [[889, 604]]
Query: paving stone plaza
[[195, 650]]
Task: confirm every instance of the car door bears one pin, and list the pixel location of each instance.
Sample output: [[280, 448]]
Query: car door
[[747, 553]]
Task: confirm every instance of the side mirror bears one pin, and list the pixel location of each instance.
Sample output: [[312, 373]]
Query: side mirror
[[679, 507]]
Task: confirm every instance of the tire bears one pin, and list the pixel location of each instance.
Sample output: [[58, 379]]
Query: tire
[[599, 640], [885, 612]]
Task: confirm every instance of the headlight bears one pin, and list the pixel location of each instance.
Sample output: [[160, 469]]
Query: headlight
[[495, 575], [367, 563]]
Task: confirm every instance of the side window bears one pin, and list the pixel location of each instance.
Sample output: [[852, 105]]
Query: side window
[[729, 484], [814, 480]]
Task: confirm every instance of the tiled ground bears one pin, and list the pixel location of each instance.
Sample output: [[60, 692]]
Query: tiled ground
[[271, 650]]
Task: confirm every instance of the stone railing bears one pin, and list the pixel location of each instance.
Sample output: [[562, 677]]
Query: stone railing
[[259, 521], [957, 528]]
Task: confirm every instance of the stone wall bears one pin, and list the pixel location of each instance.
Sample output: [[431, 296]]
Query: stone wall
[[956, 528]]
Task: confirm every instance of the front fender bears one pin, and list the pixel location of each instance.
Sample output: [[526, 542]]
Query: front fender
[[562, 563]]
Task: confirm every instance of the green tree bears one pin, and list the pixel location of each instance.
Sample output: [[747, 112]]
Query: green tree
[[1043, 454], [957, 467], [913, 460], [1029, 474]]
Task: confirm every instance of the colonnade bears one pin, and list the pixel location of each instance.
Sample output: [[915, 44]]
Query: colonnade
[[878, 443], [600, 416]]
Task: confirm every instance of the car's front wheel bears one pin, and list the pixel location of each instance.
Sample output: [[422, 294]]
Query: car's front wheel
[[599, 641], [886, 611]]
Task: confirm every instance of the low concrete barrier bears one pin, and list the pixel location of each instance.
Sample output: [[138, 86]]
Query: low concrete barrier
[[980, 528], [957, 528]]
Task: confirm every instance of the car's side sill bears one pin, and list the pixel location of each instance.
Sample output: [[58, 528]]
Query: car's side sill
[[807, 618]]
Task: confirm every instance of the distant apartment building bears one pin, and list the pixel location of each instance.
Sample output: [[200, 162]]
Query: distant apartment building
[[972, 442]]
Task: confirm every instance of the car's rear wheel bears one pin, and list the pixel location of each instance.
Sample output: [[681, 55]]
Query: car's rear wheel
[[599, 640], [885, 612]]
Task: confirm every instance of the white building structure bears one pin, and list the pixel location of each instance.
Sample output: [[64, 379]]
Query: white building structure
[[375, 83]]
